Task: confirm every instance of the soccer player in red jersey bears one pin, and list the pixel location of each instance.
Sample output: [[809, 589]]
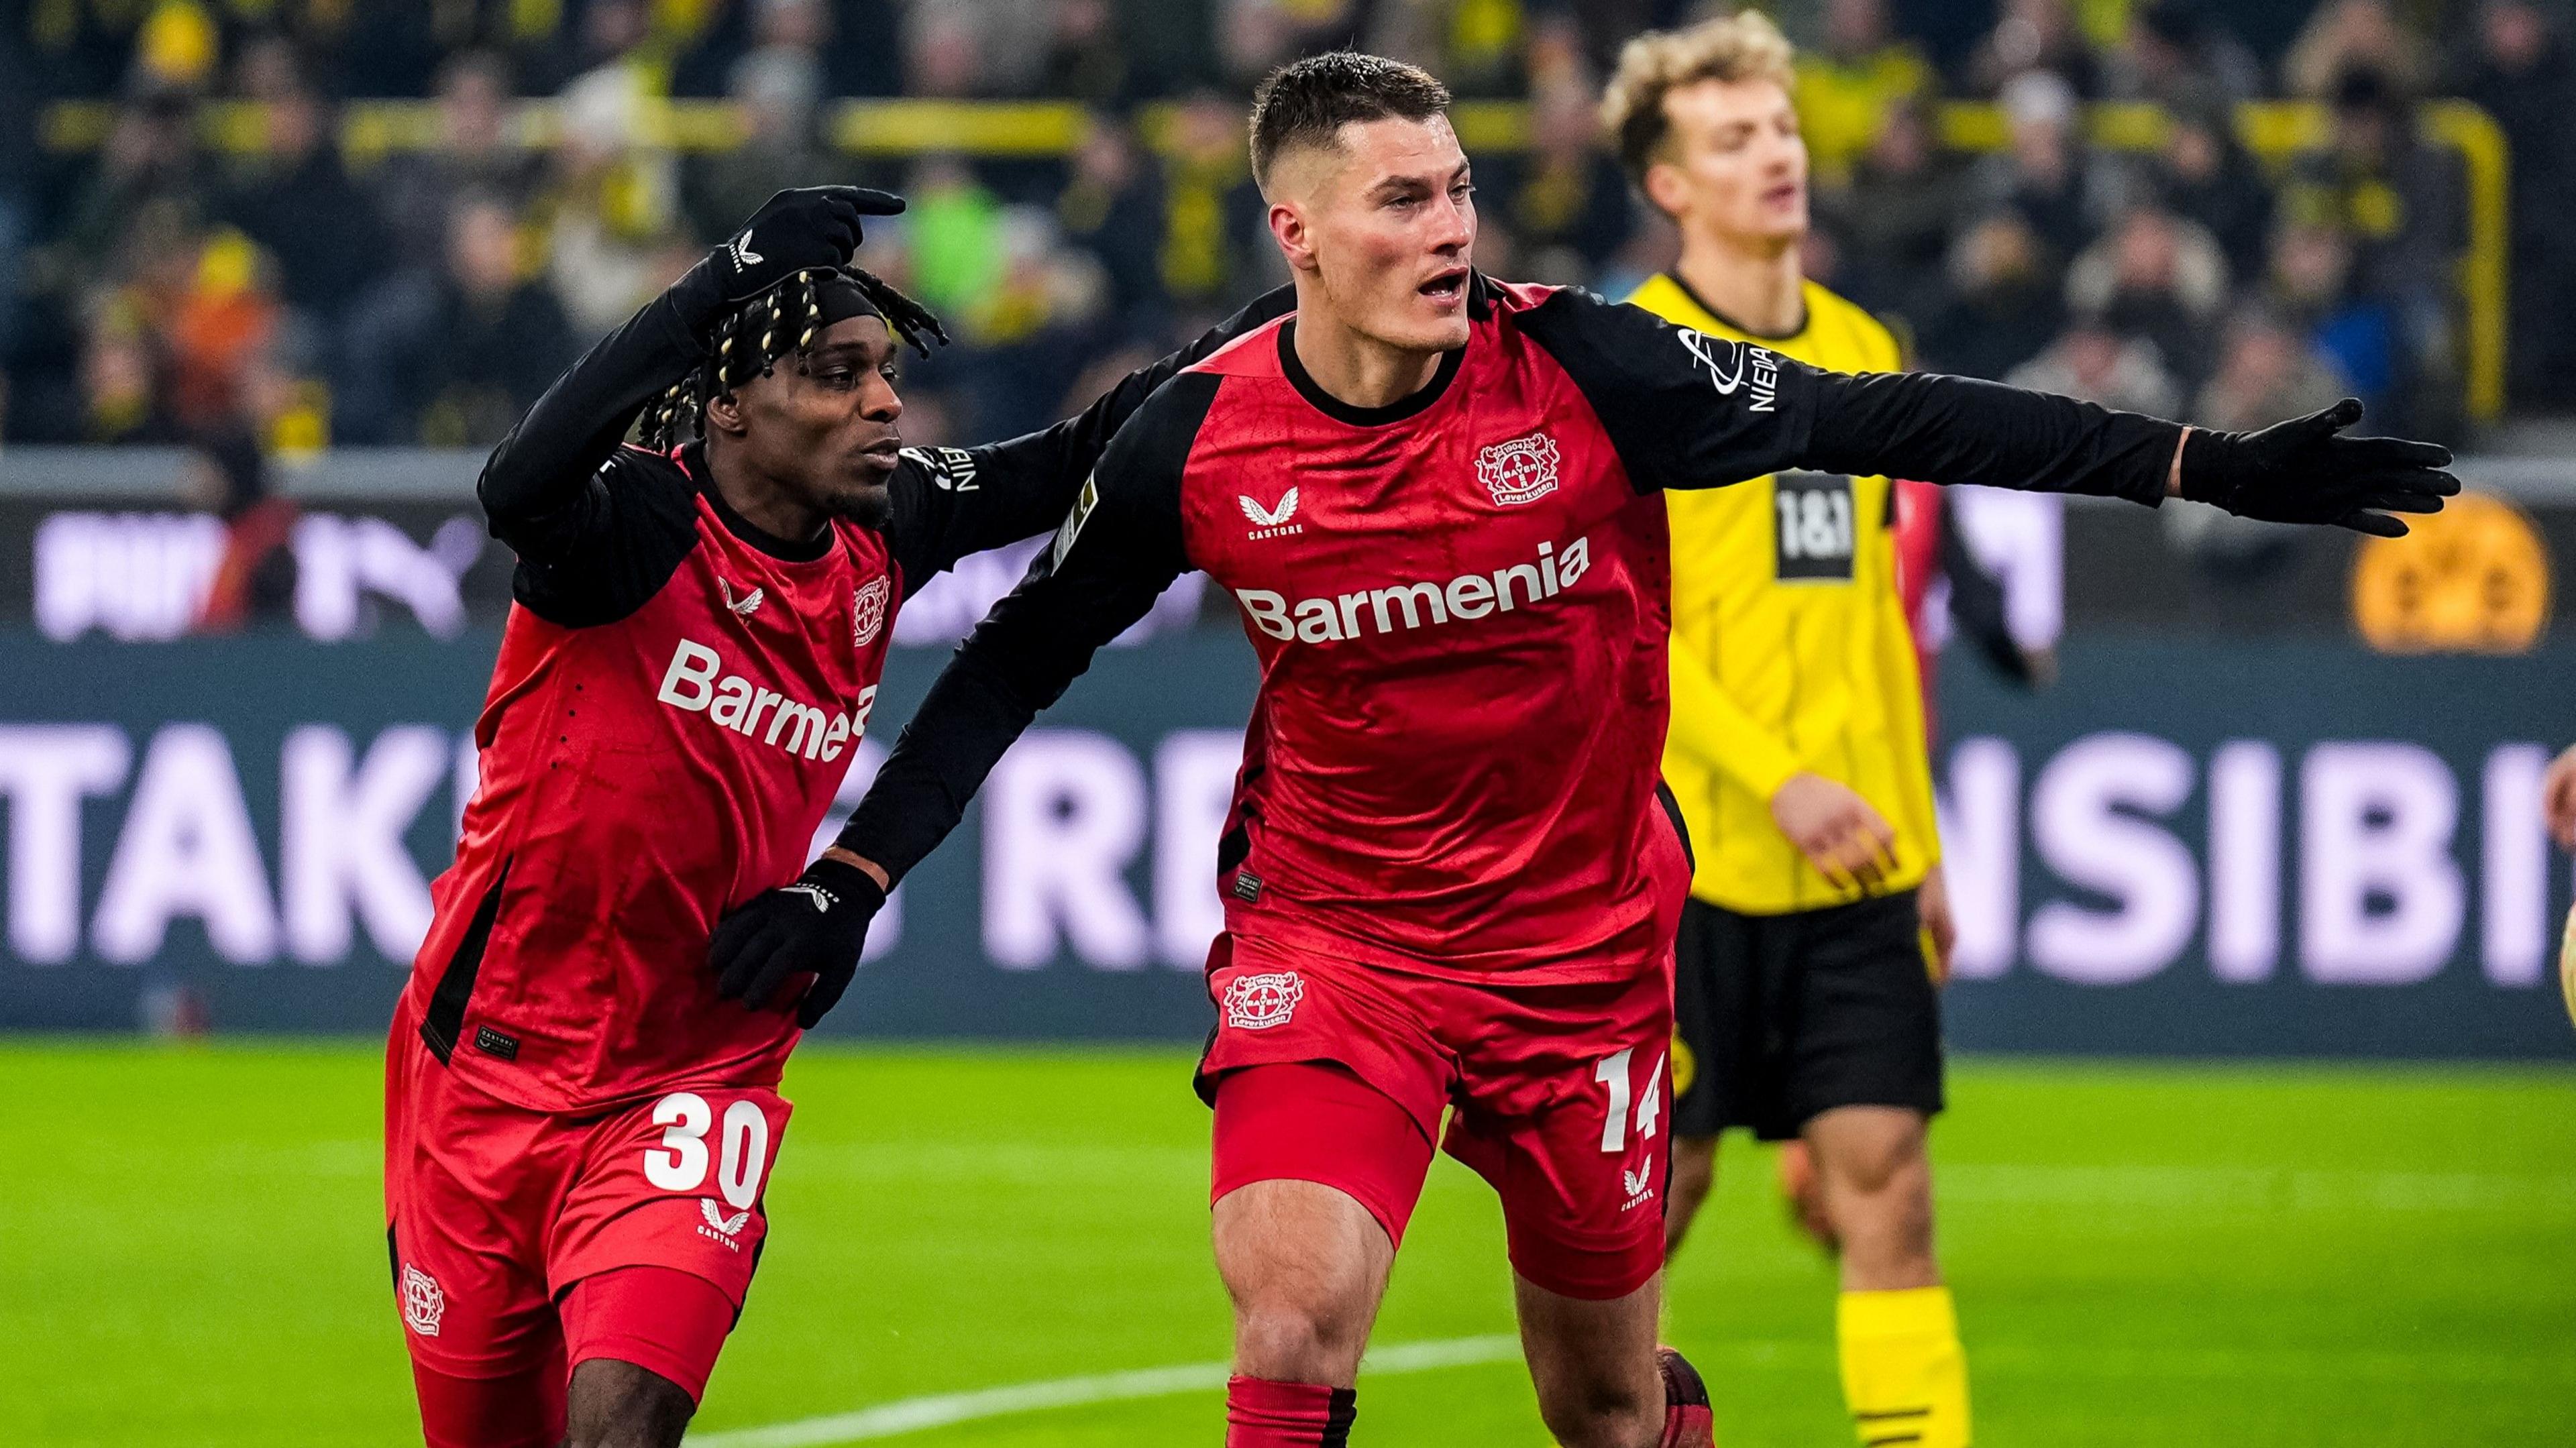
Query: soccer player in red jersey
[[578, 1125], [1449, 880]]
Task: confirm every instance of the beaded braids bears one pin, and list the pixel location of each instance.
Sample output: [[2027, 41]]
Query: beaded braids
[[752, 339]]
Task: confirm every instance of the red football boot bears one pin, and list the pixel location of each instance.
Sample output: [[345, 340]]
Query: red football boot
[[1688, 1421]]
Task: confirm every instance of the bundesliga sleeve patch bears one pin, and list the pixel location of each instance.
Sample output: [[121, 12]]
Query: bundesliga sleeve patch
[[1083, 503]]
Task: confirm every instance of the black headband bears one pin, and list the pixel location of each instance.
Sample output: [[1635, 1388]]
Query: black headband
[[837, 299]]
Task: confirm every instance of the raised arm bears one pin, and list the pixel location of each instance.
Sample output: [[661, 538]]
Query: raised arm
[[950, 502], [542, 488], [1688, 410]]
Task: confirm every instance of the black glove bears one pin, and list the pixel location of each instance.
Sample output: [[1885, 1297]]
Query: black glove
[[814, 927], [811, 228], [2304, 471]]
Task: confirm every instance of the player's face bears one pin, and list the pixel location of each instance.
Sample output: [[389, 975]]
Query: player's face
[[828, 432], [1737, 166], [1386, 224]]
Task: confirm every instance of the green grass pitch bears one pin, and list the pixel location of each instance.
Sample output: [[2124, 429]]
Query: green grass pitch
[[191, 1252]]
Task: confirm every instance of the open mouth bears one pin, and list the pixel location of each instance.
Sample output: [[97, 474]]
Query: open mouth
[[1449, 286]]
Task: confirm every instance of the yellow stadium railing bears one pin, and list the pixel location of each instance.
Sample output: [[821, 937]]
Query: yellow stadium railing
[[892, 129]]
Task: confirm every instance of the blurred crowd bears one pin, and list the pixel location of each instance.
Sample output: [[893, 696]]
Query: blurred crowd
[[186, 269]]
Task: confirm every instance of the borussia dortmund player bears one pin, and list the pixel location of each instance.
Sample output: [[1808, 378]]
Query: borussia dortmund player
[[1449, 879], [1804, 998]]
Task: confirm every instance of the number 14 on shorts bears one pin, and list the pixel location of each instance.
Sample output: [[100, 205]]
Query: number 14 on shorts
[[1612, 1072]]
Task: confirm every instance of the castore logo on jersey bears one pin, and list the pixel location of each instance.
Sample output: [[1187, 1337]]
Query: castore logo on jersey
[[743, 607], [1271, 522]]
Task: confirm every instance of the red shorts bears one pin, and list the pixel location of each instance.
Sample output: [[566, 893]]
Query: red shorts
[[495, 1213], [1559, 1095]]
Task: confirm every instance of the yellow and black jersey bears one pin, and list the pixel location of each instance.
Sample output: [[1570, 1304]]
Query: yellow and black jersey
[[1790, 647]]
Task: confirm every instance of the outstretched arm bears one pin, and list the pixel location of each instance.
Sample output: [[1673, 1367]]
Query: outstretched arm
[[1688, 410], [1117, 550], [950, 502]]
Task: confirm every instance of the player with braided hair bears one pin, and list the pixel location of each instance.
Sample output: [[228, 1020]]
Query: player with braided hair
[[580, 1114], [675, 417]]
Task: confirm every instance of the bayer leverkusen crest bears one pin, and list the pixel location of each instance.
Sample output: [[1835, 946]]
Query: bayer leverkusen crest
[[868, 611], [1520, 471], [1258, 1002], [423, 1303]]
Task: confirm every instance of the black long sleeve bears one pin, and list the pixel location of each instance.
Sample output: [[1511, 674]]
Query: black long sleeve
[[1959, 430], [541, 488], [1689, 410], [951, 502], [1119, 547]]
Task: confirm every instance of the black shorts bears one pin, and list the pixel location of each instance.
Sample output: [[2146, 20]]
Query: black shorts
[[1780, 1017]]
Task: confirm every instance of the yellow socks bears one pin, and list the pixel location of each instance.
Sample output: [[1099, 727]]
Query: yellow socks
[[1904, 1374]]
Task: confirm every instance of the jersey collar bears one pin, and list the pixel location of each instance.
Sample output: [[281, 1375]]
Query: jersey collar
[[1340, 411]]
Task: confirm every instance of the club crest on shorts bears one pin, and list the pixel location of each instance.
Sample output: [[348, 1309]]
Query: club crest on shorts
[[422, 1303], [1258, 1002], [868, 611], [1522, 470]]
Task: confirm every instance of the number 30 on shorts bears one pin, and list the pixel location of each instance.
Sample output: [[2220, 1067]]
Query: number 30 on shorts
[[679, 1164], [1613, 1073]]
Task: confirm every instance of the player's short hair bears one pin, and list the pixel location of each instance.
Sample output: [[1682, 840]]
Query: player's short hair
[[1739, 47], [778, 325], [1307, 102]]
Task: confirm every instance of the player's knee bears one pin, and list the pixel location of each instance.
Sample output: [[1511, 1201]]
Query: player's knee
[[1294, 1341], [1882, 1213], [1603, 1414], [1884, 1163]]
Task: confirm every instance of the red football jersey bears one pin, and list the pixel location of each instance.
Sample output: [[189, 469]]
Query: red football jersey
[[1461, 617], [638, 779], [677, 698], [1459, 603]]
